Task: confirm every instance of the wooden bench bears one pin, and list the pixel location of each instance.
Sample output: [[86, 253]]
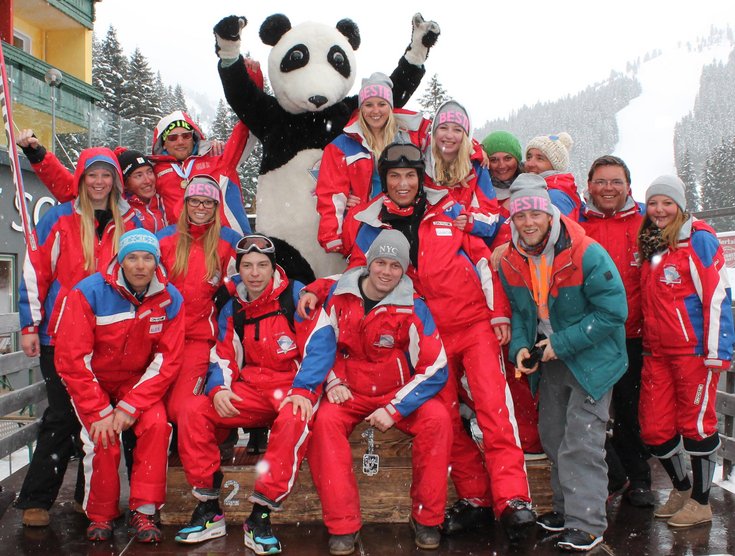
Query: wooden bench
[[384, 497]]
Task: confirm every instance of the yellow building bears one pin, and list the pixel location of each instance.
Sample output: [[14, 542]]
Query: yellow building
[[39, 35]]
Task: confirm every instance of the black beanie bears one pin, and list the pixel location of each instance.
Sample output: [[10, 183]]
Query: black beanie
[[131, 160]]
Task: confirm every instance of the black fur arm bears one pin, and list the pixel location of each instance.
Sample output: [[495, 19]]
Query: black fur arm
[[255, 108], [406, 79]]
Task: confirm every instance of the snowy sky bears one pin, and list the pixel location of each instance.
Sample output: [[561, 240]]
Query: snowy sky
[[491, 57]]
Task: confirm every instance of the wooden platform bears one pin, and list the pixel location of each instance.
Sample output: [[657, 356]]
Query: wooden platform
[[384, 498], [631, 531]]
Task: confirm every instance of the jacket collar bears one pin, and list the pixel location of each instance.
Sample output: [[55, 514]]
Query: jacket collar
[[402, 294]]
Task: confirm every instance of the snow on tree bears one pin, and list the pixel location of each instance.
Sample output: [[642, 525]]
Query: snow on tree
[[142, 105], [178, 100], [434, 96], [717, 189]]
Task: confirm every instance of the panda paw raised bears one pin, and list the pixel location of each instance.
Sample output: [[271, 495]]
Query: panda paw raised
[[424, 36], [227, 36]]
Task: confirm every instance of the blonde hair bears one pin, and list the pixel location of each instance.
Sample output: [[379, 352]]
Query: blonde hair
[[669, 234], [451, 174], [210, 242], [88, 228], [378, 142]]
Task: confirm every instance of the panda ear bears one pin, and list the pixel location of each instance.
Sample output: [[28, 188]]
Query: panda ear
[[273, 28], [349, 29]]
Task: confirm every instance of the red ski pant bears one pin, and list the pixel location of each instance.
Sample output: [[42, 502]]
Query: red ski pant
[[473, 354], [330, 460], [200, 425], [525, 406], [148, 476], [677, 398], [190, 380]]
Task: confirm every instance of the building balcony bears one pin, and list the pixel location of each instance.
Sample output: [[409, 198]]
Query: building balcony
[[31, 96]]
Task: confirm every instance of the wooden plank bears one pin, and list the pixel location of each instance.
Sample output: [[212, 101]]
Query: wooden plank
[[18, 399], [384, 498], [17, 361], [22, 437], [727, 449], [725, 403], [9, 322]]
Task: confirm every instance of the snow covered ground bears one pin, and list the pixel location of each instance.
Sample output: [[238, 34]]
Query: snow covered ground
[[727, 484], [670, 83], [14, 462]]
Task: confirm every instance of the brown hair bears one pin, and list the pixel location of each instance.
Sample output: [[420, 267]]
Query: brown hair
[[609, 160]]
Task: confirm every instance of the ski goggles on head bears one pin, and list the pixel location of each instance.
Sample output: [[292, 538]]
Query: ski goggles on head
[[255, 242], [397, 152]]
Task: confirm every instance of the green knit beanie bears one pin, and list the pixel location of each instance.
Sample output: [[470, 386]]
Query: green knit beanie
[[503, 142]]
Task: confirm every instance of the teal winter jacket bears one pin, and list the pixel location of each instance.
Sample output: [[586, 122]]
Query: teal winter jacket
[[587, 309]]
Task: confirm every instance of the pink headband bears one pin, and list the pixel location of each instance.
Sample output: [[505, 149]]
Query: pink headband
[[454, 117], [202, 189], [530, 202], [376, 90]]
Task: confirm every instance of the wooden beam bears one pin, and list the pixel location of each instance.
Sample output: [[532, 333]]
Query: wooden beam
[[22, 437], [17, 361], [18, 399], [9, 322]]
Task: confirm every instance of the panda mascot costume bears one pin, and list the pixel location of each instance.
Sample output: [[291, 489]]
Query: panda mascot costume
[[311, 68]]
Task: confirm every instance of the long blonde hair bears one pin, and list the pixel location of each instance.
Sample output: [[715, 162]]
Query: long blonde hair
[[89, 233], [378, 142], [669, 236], [455, 172], [210, 242]]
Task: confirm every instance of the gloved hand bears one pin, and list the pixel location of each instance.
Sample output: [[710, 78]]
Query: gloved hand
[[227, 36], [423, 37]]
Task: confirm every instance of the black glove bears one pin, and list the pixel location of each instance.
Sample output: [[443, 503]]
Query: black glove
[[423, 37], [227, 36]]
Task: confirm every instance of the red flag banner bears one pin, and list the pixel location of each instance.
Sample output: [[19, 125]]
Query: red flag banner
[[13, 152]]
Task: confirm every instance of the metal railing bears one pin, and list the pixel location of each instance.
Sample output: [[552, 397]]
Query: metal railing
[[14, 402]]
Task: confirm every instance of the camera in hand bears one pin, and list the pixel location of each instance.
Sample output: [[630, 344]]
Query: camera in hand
[[535, 356]]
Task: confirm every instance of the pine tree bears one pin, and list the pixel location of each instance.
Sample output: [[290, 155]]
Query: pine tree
[[688, 175], [141, 103], [717, 189], [109, 74], [222, 124], [433, 97], [178, 101]]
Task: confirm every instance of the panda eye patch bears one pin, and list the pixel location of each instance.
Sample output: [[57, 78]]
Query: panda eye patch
[[339, 61], [297, 57]]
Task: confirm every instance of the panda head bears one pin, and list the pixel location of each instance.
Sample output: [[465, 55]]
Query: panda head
[[311, 66]]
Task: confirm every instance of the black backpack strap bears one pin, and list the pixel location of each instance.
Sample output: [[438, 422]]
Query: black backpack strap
[[287, 308], [285, 300]]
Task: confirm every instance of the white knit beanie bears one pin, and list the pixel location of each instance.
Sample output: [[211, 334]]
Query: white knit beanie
[[555, 147]]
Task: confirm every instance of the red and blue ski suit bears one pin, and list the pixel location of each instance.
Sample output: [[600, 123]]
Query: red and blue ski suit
[[466, 300], [172, 176], [348, 167], [62, 184], [688, 331], [261, 368], [117, 352], [201, 315], [391, 358]]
